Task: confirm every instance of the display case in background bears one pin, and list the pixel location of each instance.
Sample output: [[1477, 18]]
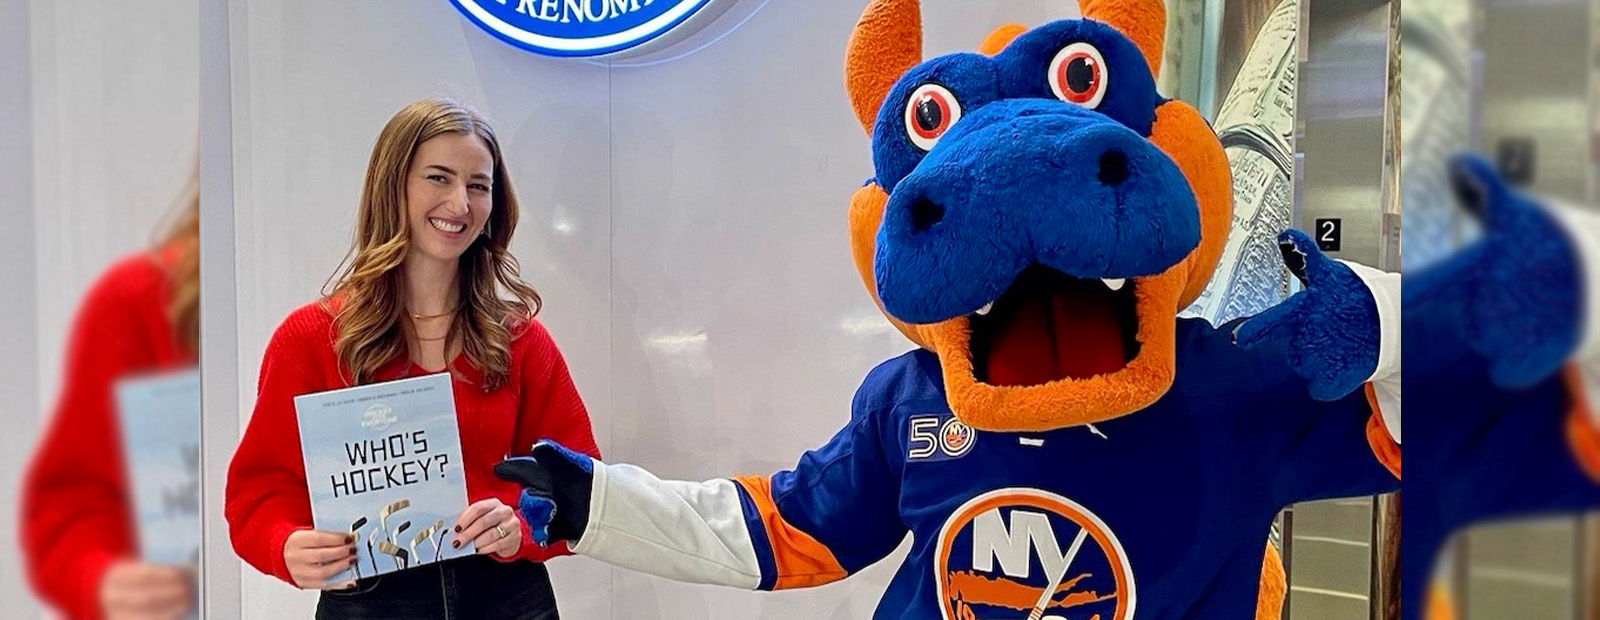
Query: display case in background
[[1344, 144]]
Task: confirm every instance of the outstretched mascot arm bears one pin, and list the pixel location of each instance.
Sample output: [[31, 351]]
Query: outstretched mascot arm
[[834, 514], [1324, 372], [687, 531]]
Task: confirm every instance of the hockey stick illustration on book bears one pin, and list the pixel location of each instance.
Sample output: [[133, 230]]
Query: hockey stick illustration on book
[[401, 555], [355, 536], [388, 547], [427, 535]]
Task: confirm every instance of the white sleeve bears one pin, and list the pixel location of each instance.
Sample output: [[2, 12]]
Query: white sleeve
[[685, 531], [1385, 380]]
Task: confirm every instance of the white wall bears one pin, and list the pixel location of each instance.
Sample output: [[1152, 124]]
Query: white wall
[[19, 369], [116, 99], [685, 222], [106, 95]]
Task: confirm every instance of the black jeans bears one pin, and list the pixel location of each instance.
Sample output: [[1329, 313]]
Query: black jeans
[[470, 588]]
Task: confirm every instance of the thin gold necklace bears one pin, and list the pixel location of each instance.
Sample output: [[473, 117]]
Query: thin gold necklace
[[446, 313]]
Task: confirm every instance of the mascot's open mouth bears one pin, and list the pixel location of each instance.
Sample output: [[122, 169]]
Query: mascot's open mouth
[[1050, 326], [1055, 351]]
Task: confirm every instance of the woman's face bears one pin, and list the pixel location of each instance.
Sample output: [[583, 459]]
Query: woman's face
[[448, 197]]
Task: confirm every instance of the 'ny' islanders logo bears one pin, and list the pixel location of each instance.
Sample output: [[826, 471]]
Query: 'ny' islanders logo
[[1025, 553]]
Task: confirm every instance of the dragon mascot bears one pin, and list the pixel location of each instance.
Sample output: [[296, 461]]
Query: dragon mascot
[[1061, 445]]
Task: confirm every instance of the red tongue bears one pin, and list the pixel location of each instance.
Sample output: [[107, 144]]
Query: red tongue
[[1068, 333]]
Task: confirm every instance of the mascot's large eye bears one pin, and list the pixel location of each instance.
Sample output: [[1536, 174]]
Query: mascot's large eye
[[932, 111], [1079, 75]]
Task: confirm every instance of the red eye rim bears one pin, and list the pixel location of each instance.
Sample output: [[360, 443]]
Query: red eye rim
[[949, 112], [1099, 81]]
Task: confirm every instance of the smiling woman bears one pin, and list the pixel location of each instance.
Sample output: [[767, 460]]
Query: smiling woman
[[436, 188], [421, 293]]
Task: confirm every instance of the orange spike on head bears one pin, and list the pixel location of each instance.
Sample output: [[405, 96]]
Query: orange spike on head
[[886, 43], [1143, 21], [1000, 38]]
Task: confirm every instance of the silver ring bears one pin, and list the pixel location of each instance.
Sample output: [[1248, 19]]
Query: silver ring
[[501, 530]]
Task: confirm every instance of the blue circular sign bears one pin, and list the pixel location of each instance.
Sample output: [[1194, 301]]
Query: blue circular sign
[[579, 27]]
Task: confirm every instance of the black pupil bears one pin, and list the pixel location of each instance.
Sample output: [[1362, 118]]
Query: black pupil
[[1080, 75], [930, 116]]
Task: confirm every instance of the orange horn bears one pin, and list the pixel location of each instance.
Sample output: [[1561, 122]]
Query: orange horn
[[1000, 38], [1144, 21], [886, 43]]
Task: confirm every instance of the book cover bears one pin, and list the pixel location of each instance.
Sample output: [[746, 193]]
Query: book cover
[[383, 462], [159, 416]]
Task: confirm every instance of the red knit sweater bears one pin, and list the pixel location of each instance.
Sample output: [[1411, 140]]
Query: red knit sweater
[[266, 496], [77, 514]]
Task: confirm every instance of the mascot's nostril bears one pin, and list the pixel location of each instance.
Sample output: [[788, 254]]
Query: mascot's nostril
[[924, 214], [1113, 168]]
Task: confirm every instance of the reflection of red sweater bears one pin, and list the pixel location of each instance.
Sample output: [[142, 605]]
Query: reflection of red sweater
[[77, 515], [267, 497]]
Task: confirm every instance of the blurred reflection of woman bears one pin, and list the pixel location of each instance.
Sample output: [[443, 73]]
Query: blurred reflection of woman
[[79, 538]]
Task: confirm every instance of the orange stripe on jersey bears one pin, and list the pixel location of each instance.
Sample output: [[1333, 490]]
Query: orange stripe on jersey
[[1581, 432], [802, 562], [1383, 444]]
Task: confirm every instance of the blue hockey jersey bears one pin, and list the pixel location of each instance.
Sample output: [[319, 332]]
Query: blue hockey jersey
[[1031, 525]]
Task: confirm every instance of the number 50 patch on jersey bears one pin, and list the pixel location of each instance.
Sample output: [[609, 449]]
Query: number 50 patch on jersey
[[939, 438]]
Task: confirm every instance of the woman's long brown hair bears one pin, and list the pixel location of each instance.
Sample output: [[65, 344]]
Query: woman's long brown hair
[[182, 237], [369, 319]]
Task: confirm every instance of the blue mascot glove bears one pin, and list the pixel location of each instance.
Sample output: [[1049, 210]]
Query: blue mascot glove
[[555, 497], [1330, 329], [537, 511], [1518, 291]]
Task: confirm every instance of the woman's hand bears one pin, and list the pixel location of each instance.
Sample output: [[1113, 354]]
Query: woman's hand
[[491, 526], [132, 589], [315, 557]]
